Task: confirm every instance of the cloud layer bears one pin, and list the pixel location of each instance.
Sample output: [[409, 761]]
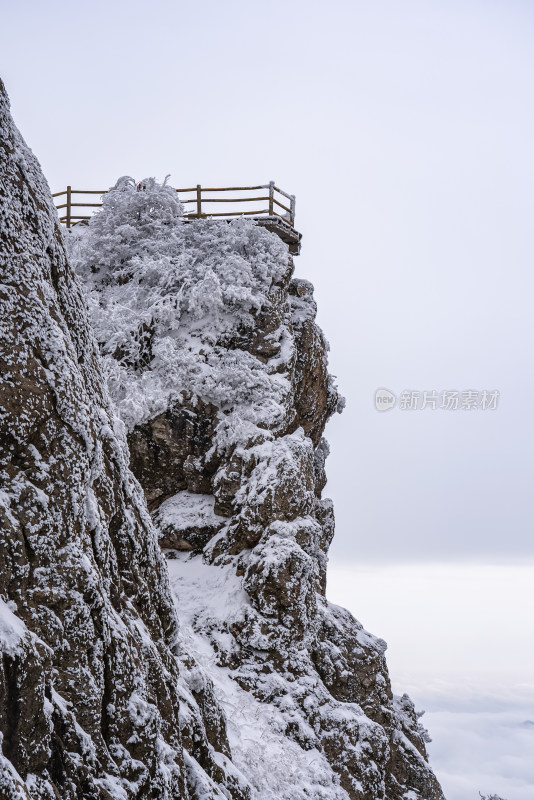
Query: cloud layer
[[461, 644], [488, 749]]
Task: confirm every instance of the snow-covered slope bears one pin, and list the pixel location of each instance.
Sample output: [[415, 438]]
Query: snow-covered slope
[[219, 374]]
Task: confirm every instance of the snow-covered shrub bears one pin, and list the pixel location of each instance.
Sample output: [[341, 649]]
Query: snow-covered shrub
[[170, 300], [490, 797]]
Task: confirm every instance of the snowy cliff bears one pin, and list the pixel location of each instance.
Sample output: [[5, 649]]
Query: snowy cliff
[[99, 697], [186, 353], [219, 373]]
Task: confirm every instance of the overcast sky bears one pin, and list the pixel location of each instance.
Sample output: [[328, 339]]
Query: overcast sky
[[406, 131]]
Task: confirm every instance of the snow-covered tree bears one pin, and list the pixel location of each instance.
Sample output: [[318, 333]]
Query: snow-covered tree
[[166, 295]]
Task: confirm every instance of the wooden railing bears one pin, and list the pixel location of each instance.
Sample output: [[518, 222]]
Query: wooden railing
[[203, 206]]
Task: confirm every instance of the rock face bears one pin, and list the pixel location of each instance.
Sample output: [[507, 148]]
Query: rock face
[[211, 355], [219, 372], [92, 701]]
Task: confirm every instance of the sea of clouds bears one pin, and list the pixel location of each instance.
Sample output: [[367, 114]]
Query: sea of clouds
[[461, 643], [482, 741]]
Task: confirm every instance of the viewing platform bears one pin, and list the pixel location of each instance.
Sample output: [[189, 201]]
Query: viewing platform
[[278, 215]]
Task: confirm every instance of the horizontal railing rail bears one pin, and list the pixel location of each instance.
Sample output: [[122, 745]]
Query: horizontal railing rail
[[199, 200]]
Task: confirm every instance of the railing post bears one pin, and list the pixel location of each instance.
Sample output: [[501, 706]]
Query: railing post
[[199, 200], [292, 207], [271, 198], [69, 190]]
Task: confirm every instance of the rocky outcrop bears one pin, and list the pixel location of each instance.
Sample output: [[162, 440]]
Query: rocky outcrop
[[225, 426], [168, 452], [92, 700]]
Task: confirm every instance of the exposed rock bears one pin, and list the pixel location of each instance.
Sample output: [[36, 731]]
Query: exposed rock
[[305, 687], [315, 397], [168, 453]]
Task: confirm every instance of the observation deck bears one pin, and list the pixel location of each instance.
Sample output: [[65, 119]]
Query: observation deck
[[277, 213]]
